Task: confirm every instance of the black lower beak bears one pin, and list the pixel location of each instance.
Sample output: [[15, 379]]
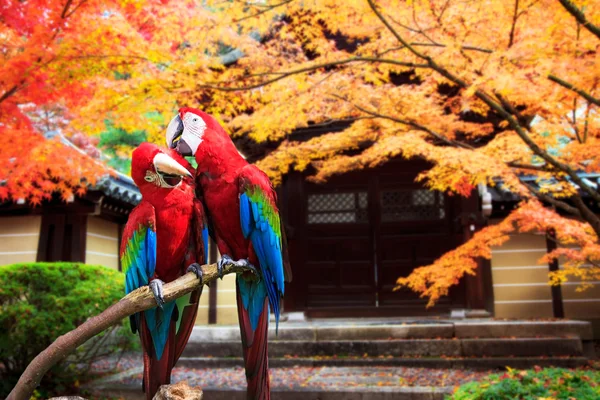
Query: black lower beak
[[183, 148], [176, 127]]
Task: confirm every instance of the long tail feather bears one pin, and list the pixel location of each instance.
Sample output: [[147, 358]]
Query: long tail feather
[[188, 319], [156, 372], [256, 361]]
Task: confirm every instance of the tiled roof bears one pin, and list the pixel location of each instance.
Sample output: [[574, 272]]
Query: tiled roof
[[501, 194], [120, 187]]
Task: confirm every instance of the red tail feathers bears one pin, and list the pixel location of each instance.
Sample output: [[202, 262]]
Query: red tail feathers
[[158, 372], [256, 360]]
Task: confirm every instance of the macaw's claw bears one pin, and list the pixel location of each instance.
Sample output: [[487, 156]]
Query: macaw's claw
[[197, 270], [156, 285], [247, 265], [225, 260], [241, 265]]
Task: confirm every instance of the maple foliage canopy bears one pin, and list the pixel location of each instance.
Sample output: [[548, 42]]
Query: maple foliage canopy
[[486, 91]]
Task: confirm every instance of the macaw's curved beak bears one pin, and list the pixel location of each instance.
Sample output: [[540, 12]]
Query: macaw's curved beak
[[175, 137], [166, 165], [174, 132]]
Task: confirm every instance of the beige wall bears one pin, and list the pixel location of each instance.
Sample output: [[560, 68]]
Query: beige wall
[[521, 287], [102, 243], [19, 237], [226, 304]]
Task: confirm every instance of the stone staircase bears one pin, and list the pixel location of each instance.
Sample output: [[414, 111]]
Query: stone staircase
[[484, 344]]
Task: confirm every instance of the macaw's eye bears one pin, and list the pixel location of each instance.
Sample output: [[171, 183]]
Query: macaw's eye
[[171, 180], [195, 120]]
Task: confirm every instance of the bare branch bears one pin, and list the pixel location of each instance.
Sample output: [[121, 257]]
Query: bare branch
[[282, 75], [514, 24], [580, 17], [75, 8], [63, 14], [580, 92], [265, 10], [511, 109], [407, 122], [551, 200], [587, 214], [9, 93], [139, 300], [470, 48]]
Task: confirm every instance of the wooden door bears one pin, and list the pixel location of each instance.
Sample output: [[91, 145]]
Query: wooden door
[[359, 233]]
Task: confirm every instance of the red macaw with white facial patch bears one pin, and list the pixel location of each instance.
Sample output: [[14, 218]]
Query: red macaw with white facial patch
[[242, 209], [164, 237]]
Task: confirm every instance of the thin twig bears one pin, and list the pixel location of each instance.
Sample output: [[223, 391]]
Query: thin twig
[[514, 24], [551, 200], [571, 87], [267, 9], [407, 122], [282, 75]]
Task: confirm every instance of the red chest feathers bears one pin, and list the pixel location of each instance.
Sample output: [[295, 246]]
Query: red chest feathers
[[173, 231], [223, 203]]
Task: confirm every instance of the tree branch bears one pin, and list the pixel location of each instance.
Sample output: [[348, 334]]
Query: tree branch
[[580, 17], [264, 10], [63, 14], [580, 92], [407, 122], [551, 200], [9, 93], [514, 24], [282, 75], [587, 214], [139, 300]]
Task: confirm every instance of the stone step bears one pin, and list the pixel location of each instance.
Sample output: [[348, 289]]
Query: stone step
[[521, 347], [489, 328], [374, 393], [499, 363]]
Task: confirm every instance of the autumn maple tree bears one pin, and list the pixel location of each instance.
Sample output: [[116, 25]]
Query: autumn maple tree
[[69, 67], [487, 91]]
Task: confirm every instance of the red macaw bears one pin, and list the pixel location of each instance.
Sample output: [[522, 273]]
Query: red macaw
[[241, 205], [164, 234]]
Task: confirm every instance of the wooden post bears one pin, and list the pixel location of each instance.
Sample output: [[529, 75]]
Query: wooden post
[[557, 300], [212, 294], [471, 221]]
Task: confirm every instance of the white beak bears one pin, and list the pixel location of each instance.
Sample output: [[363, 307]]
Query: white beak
[[166, 164]]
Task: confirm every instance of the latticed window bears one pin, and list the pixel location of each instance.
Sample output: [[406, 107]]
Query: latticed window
[[337, 208], [411, 205]]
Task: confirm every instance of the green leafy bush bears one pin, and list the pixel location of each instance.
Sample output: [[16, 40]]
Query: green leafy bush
[[536, 384], [41, 301]]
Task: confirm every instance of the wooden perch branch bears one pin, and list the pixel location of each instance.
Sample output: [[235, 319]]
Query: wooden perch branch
[[139, 300]]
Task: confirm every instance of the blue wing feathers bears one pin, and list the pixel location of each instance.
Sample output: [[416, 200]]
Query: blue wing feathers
[[140, 259], [205, 242], [267, 247], [245, 217]]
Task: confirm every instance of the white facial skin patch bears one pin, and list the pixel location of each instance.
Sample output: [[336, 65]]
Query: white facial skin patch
[[194, 128]]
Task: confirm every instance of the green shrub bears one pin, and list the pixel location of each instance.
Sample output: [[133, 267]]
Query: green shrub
[[41, 301], [536, 384]]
